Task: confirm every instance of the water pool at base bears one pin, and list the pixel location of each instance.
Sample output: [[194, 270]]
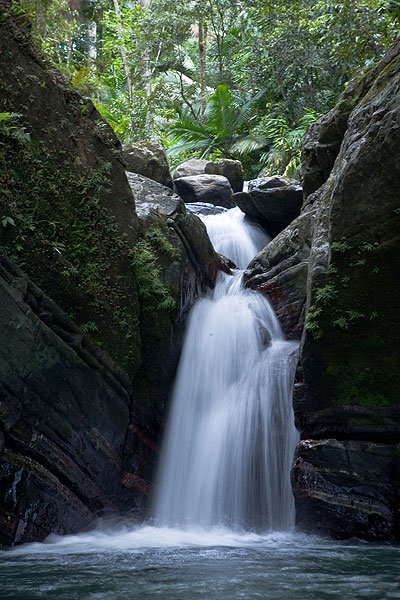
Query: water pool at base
[[130, 562]]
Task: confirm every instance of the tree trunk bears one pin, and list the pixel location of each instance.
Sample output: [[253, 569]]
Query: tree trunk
[[92, 35], [122, 50], [202, 62]]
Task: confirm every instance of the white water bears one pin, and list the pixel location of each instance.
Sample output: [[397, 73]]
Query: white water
[[230, 438]]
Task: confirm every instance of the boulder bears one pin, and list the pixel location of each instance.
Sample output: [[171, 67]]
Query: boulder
[[273, 202], [194, 166], [231, 169], [148, 159], [280, 271], [212, 189]]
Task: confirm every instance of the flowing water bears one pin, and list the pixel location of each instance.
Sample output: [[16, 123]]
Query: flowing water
[[223, 526], [231, 437]]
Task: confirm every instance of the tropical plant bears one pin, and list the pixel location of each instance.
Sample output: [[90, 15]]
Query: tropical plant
[[284, 154], [226, 120]]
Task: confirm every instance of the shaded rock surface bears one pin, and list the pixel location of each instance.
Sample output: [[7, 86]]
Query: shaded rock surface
[[148, 159], [212, 189], [273, 202], [64, 414], [63, 183], [343, 488], [280, 272], [337, 267]]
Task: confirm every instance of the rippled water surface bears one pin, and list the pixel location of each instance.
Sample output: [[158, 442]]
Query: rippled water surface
[[147, 562]]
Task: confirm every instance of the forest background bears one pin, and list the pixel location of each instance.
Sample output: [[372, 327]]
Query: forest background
[[234, 78]]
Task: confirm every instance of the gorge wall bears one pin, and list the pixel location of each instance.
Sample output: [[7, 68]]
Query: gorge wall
[[336, 270]]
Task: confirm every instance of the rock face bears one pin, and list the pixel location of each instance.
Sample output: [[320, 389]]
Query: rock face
[[148, 159], [213, 189], [346, 244], [231, 169], [74, 231], [347, 487], [271, 201], [280, 272], [64, 414]]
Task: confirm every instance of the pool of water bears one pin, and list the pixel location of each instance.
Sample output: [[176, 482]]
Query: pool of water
[[129, 562]]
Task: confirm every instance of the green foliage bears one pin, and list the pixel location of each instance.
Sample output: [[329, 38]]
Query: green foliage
[[155, 296], [139, 63], [223, 125], [285, 142]]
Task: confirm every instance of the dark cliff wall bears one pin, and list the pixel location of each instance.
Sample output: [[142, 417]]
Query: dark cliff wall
[[90, 328], [337, 269]]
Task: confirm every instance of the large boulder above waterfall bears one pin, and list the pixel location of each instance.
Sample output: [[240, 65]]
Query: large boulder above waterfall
[[213, 189], [229, 168], [273, 202], [336, 266], [194, 166], [148, 159]]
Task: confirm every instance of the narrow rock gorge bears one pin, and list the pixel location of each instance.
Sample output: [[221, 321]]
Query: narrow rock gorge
[[101, 260]]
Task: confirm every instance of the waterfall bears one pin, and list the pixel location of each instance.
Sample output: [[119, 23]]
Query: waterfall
[[230, 437]]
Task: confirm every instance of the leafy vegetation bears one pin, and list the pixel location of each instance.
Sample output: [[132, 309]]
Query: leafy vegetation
[[237, 77]]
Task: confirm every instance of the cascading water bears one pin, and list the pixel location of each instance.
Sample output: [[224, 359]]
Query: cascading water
[[230, 437], [226, 462]]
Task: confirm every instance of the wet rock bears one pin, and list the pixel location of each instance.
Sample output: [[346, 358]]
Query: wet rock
[[272, 202], [280, 270], [203, 208], [212, 189], [347, 488], [148, 159]]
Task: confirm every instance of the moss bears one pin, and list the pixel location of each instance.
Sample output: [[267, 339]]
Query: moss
[[352, 319], [382, 79], [53, 225]]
